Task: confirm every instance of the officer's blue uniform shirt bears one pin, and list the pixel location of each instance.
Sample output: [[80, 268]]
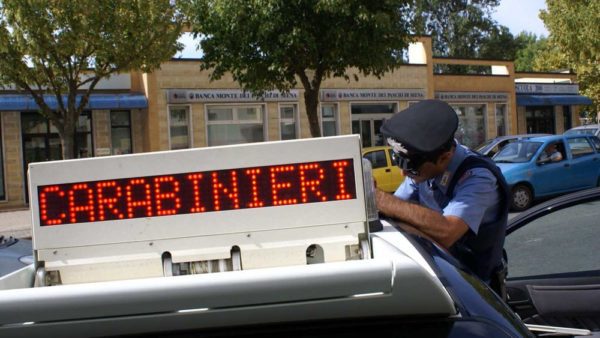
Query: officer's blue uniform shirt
[[476, 199]]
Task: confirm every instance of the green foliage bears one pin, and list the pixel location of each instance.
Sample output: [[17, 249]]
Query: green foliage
[[530, 46], [500, 44], [575, 41], [273, 44], [458, 28], [65, 47]]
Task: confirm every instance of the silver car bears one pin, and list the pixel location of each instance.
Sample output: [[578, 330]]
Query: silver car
[[589, 129], [490, 147]]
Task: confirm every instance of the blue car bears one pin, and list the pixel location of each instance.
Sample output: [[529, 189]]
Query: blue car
[[549, 165]]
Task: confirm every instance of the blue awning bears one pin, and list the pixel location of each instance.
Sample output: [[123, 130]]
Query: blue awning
[[21, 102], [552, 100]]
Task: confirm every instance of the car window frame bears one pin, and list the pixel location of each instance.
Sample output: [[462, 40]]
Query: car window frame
[[548, 207], [576, 155], [373, 155], [596, 143]]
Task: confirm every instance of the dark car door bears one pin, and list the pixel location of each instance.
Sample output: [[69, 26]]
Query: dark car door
[[554, 262]]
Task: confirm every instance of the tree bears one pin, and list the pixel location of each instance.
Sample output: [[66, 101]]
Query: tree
[[500, 44], [458, 28], [575, 41], [64, 48], [273, 44], [530, 46]]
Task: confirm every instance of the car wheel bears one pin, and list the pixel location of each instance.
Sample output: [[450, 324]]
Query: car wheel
[[522, 197]]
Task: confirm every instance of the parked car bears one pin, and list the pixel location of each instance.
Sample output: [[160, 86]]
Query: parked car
[[552, 286], [294, 270], [531, 174], [590, 129], [492, 146], [386, 173]]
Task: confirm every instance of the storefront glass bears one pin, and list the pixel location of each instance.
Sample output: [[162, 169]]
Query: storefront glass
[[41, 141], [120, 132], [287, 124], [235, 124], [567, 120], [540, 119], [2, 185], [471, 124], [179, 127], [329, 119], [367, 120], [501, 119]]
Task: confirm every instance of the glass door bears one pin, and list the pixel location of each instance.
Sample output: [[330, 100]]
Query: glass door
[[540, 119], [367, 119], [368, 129]]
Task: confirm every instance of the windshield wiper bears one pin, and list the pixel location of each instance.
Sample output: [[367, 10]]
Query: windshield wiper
[[504, 161]]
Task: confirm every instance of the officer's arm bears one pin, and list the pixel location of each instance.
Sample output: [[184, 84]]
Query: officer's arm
[[445, 230]]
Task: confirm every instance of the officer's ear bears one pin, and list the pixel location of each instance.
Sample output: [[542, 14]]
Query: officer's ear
[[445, 156]]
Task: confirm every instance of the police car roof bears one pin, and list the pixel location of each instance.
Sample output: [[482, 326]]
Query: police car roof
[[397, 282]]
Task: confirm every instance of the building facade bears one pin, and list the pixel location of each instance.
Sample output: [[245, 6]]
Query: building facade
[[178, 107]]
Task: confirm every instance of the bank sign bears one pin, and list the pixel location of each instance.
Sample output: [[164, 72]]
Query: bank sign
[[471, 96], [539, 88], [226, 95], [334, 95]]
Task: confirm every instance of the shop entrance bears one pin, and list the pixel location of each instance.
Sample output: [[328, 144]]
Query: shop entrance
[[540, 119], [367, 120]]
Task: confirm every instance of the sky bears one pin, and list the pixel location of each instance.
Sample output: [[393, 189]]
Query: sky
[[521, 15], [517, 15]]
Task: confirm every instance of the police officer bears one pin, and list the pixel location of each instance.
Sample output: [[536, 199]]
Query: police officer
[[451, 194]]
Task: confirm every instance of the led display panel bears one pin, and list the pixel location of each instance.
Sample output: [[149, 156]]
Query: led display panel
[[206, 197], [196, 192]]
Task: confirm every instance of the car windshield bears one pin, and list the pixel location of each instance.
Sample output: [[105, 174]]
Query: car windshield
[[582, 131], [517, 152]]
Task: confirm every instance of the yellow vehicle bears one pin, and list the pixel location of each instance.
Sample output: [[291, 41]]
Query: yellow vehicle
[[386, 173]]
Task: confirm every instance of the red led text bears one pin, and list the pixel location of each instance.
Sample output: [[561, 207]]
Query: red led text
[[197, 192]]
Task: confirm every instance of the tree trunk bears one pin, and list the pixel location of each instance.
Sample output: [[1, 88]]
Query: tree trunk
[[67, 140], [311, 100]]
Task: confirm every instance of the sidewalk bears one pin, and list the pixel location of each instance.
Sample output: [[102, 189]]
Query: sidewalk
[[15, 223]]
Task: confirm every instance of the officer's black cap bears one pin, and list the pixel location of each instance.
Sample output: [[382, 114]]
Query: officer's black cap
[[423, 127]]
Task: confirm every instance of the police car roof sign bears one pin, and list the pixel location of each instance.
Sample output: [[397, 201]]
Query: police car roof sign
[[198, 203]]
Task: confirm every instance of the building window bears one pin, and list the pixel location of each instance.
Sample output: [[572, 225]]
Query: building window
[[288, 117], [329, 120], [179, 127], [501, 119], [83, 136], [471, 124], [377, 108], [120, 132], [235, 124], [41, 141], [2, 182]]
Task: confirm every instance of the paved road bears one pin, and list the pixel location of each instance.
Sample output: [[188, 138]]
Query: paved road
[[15, 223]]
